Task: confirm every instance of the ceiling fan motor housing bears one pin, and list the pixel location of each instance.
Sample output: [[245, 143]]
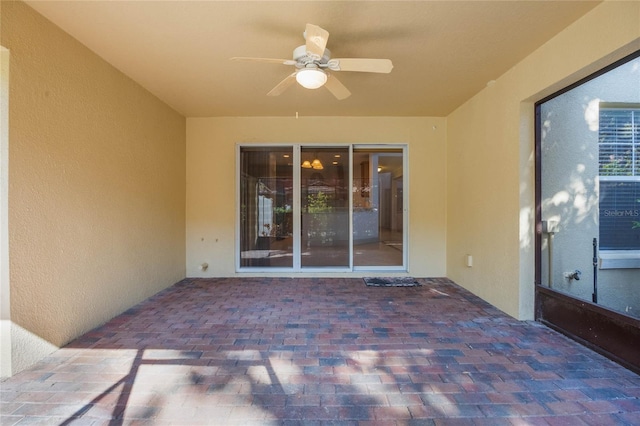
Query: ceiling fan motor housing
[[302, 59]]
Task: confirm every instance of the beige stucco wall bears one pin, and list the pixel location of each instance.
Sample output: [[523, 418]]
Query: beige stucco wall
[[5, 305], [211, 171], [97, 188], [490, 156]]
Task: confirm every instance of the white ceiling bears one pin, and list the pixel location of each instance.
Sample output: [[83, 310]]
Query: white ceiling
[[443, 52]]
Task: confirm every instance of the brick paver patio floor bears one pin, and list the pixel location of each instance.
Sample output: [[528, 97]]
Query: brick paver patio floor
[[320, 351]]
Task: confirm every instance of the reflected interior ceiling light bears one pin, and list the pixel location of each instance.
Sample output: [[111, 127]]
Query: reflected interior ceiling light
[[316, 164], [306, 164], [311, 78]]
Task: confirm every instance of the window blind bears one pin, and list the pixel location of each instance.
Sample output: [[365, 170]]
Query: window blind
[[619, 168]]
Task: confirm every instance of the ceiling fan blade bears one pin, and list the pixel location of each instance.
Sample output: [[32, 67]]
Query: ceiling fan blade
[[361, 64], [267, 60], [337, 88], [316, 41], [283, 85]]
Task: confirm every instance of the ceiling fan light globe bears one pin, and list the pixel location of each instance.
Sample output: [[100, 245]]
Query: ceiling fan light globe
[[311, 78]]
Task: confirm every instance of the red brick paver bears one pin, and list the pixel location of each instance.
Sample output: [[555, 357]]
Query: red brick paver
[[320, 351]]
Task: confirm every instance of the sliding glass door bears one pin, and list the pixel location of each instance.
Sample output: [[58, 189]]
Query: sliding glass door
[[321, 207]]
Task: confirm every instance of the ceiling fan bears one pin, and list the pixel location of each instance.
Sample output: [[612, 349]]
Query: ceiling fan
[[312, 61]]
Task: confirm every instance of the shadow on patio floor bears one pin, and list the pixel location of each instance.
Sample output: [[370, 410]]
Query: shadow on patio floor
[[289, 350]]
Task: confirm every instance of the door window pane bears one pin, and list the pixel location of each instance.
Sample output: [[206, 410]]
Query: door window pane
[[266, 200], [324, 199], [378, 207]]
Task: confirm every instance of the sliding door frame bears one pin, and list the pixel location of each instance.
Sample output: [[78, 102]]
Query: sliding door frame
[[297, 206]]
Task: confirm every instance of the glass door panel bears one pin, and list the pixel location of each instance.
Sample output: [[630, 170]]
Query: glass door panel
[[378, 210], [324, 207], [266, 200]]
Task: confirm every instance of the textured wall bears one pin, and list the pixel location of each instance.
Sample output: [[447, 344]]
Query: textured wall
[[211, 171], [490, 156], [97, 187], [5, 305]]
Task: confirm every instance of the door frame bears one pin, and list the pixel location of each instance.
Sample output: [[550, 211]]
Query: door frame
[[297, 268]]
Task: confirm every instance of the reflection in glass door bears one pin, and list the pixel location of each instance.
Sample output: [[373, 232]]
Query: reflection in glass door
[[378, 210], [324, 207]]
